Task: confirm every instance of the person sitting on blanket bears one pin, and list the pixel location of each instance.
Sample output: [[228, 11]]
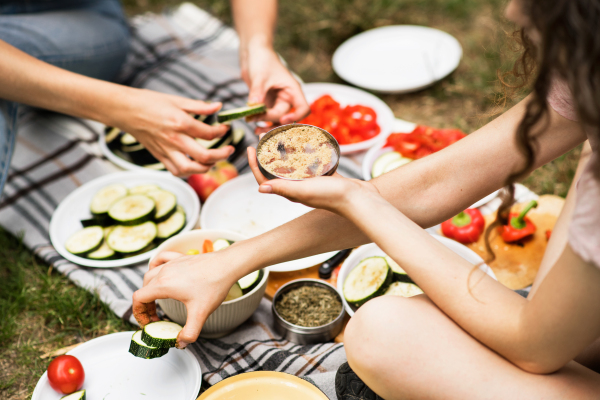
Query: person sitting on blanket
[[61, 55], [468, 336]]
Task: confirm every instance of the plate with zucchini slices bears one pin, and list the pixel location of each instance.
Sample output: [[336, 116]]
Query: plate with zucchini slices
[[368, 273], [113, 372], [119, 219], [124, 150]]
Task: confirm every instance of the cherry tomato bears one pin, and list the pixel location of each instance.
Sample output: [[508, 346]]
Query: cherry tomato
[[65, 374]]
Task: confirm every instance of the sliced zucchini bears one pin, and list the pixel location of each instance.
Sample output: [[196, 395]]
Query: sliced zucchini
[[155, 167], [235, 292], [85, 241], [146, 249], [238, 135], [396, 164], [221, 244], [104, 252], [143, 189], [105, 198], [131, 239], [172, 226], [250, 281], [241, 112], [128, 141], [141, 156], [89, 222], [382, 161], [161, 334], [403, 289], [79, 395], [370, 278], [399, 274], [111, 137], [133, 210], [107, 230], [138, 348], [166, 204]]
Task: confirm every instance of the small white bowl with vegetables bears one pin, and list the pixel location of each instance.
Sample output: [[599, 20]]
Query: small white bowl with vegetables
[[243, 298], [368, 273], [119, 219]]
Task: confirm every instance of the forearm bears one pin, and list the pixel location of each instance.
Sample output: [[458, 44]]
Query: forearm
[[255, 23]]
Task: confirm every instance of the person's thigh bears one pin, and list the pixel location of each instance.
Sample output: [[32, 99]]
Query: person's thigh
[[409, 349], [92, 40]]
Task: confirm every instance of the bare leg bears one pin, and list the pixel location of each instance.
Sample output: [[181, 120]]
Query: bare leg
[[408, 348]]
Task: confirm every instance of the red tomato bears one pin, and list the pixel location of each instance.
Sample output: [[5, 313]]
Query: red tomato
[[65, 374]]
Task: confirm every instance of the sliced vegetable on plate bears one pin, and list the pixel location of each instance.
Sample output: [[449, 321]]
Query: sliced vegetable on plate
[[241, 112], [403, 289], [80, 395], [85, 241], [66, 374], [154, 340], [369, 279]]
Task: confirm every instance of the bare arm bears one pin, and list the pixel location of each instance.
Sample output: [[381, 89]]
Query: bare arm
[[160, 121]]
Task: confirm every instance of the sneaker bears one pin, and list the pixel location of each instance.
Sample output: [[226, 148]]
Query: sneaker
[[348, 386]]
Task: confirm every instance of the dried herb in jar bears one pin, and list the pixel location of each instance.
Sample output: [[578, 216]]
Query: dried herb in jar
[[309, 306]]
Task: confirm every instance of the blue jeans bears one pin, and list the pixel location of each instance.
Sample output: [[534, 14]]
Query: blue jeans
[[89, 37]]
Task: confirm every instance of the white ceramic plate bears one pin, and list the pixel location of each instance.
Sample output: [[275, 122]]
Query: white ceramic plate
[[112, 373], [397, 59], [75, 207], [346, 95], [370, 250], [237, 206]]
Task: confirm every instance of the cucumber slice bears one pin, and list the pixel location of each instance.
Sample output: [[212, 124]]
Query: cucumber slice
[[172, 226], [382, 161], [396, 164], [131, 239], [221, 244], [138, 348], [241, 112], [166, 203], [161, 334], [403, 289], [250, 281], [399, 274], [370, 278], [143, 189], [105, 198], [235, 292], [104, 252], [133, 210], [85, 241], [79, 395]]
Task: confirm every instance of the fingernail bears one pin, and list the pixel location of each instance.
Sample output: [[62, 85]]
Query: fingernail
[[265, 189], [181, 344]]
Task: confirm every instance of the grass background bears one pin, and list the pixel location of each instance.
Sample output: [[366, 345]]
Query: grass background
[[42, 311]]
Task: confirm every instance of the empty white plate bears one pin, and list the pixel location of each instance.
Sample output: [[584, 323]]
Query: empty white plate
[[238, 206], [112, 373], [397, 59]]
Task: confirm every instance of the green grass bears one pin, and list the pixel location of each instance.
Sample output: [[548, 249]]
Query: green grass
[[43, 311]]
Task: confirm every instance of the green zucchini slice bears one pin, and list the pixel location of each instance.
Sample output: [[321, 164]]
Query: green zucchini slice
[[89, 222], [79, 395], [235, 292], [111, 138], [221, 244], [403, 289], [104, 252], [161, 334], [138, 348], [106, 197], [155, 167], [132, 210], [250, 281], [382, 161], [369, 279], [131, 239], [399, 274], [241, 112], [396, 164], [85, 241], [143, 189], [238, 135], [166, 203], [172, 226], [128, 141]]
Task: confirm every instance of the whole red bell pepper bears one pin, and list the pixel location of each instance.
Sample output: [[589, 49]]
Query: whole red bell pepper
[[519, 227], [466, 227]]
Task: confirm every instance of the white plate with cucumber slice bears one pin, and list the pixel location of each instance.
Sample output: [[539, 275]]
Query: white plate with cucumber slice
[[370, 256], [137, 210], [111, 372]]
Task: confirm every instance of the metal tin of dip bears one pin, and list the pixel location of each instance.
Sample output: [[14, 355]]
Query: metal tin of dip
[[316, 168]]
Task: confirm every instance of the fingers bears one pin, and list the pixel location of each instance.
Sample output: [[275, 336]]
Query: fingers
[[141, 313], [260, 178], [202, 155], [162, 258], [197, 129], [300, 109], [277, 111], [199, 107], [196, 316]]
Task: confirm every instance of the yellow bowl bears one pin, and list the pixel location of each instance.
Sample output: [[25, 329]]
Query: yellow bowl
[[263, 385], [230, 314]]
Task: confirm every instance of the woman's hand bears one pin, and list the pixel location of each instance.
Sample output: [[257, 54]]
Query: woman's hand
[[271, 83], [163, 124], [200, 282]]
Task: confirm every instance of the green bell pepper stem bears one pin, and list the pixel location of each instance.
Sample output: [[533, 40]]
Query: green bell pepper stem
[[519, 221], [462, 219]]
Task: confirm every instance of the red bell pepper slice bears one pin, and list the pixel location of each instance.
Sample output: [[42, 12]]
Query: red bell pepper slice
[[519, 227], [207, 246], [324, 103], [466, 227]]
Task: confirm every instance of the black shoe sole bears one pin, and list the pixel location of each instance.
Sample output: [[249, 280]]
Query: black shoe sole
[[348, 386]]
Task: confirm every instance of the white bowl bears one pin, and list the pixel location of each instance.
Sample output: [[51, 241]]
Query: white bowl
[[347, 95], [230, 314], [371, 250], [66, 219]]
